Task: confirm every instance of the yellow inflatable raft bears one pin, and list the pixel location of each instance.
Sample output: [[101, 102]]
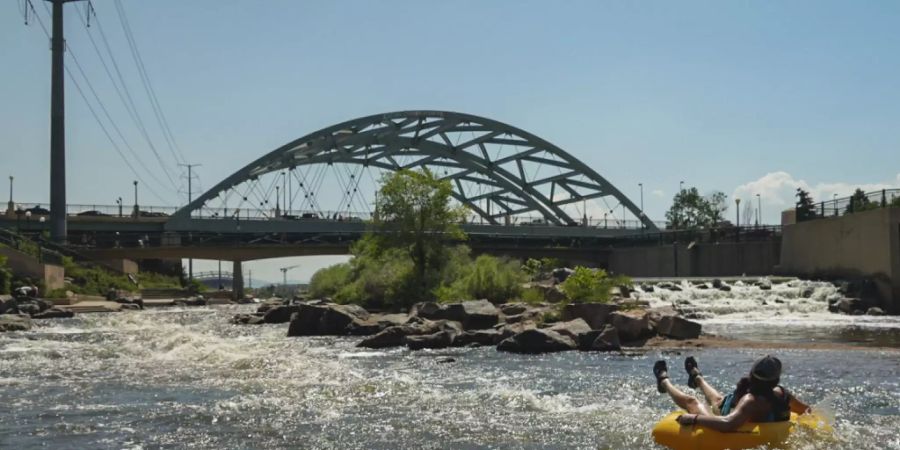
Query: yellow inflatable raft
[[691, 437]]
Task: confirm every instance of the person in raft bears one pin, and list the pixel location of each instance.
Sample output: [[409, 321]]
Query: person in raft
[[757, 398]]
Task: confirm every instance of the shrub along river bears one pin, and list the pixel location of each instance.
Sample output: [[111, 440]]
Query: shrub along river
[[178, 378]]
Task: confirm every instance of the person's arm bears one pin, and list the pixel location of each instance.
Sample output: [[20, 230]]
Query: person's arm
[[731, 422], [798, 406]]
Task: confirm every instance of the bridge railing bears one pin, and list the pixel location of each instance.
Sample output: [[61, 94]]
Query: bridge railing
[[707, 235], [38, 210], [848, 205]]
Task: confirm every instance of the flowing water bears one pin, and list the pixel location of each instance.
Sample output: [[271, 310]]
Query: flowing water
[[185, 378]]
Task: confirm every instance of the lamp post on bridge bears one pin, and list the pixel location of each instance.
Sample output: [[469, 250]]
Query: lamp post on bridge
[[137, 210], [834, 198], [10, 207], [119, 202]]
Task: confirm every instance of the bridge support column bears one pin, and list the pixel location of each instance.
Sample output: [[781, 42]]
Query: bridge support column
[[237, 281]]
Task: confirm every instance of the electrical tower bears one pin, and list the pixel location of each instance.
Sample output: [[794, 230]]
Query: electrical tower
[[57, 126]]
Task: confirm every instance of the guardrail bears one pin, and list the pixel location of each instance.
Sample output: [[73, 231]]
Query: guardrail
[[707, 235], [837, 207], [38, 212]]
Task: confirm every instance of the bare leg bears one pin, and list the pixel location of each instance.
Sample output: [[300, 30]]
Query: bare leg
[[687, 402], [713, 396]]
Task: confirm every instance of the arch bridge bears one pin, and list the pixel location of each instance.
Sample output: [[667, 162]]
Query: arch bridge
[[502, 174]]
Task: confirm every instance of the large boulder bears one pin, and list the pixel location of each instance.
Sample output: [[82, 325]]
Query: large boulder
[[14, 322], [247, 319], [441, 339], [537, 341], [473, 315], [678, 327], [27, 305], [551, 293], [6, 302], [513, 309], [325, 320], [511, 329], [54, 313], [278, 313], [389, 337], [395, 336], [573, 328], [477, 338], [847, 305], [595, 314], [561, 274], [605, 340], [632, 325]]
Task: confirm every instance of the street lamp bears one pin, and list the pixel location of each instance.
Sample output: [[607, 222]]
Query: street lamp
[[119, 202], [277, 202], [737, 211], [137, 211], [834, 197], [11, 206]]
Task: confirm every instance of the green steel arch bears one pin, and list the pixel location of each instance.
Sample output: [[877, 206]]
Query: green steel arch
[[465, 147]]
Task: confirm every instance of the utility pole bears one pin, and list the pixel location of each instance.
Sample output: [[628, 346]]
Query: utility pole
[[10, 207], [57, 126], [190, 178], [758, 210]]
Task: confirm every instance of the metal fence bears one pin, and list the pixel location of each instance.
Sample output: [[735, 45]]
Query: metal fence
[[848, 205], [707, 235]]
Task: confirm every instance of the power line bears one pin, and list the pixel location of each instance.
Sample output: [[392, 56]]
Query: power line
[[148, 86], [103, 108], [94, 113], [125, 98]]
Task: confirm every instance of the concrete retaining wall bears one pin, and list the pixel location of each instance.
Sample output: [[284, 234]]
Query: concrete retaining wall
[[701, 260], [864, 244], [28, 266]]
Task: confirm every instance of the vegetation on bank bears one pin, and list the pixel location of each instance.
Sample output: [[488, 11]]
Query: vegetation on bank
[[414, 252], [586, 285], [6, 276], [98, 281]]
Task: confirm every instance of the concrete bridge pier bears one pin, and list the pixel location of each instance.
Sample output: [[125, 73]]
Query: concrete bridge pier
[[237, 281]]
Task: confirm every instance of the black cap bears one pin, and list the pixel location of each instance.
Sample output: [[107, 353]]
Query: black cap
[[767, 368]]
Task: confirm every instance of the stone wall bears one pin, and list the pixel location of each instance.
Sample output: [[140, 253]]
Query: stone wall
[[860, 245]]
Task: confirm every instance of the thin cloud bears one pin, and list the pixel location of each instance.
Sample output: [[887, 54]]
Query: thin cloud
[[778, 190]]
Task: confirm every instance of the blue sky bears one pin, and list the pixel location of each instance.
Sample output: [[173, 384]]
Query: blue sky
[[743, 97]]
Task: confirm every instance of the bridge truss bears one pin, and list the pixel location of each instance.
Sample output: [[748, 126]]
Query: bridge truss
[[502, 174]]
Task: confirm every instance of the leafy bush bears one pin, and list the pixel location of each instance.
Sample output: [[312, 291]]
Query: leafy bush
[[895, 202], [591, 285], [495, 279], [98, 281], [5, 276], [328, 281], [531, 296]]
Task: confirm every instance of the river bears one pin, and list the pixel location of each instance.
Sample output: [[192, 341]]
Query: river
[[186, 378]]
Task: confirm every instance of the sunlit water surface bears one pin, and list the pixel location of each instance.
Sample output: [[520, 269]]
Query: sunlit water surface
[[179, 378]]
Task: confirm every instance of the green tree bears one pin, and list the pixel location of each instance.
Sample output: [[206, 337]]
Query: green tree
[[860, 202], [414, 214], [691, 211], [805, 208]]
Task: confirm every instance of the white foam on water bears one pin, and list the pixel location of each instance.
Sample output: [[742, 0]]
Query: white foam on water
[[784, 304]]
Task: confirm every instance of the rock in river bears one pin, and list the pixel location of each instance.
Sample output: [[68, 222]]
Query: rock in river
[[329, 319], [537, 341], [14, 322], [473, 315]]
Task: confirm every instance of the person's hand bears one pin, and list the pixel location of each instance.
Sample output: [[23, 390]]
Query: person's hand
[[686, 419]]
